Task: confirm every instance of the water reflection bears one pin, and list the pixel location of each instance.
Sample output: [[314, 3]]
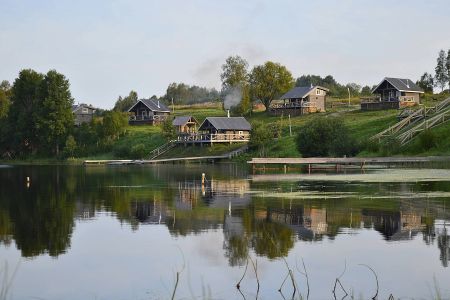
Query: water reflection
[[265, 216]]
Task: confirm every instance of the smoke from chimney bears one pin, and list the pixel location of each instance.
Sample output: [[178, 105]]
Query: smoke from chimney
[[232, 98]]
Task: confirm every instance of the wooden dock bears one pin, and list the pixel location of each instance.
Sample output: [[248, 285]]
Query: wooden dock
[[337, 162], [167, 160]]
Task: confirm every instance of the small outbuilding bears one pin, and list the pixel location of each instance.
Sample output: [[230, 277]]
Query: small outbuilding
[[83, 113], [300, 100], [148, 111], [392, 93], [185, 124]]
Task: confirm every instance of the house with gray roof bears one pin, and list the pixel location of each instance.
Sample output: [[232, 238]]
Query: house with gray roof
[[185, 124], [393, 93], [83, 113], [219, 130], [300, 100], [148, 111]]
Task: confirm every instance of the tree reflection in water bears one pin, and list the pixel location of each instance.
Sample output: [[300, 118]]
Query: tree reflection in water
[[40, 218]]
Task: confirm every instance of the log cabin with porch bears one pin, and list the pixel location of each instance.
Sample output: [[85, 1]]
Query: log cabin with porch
[[392, 93], [148, 112], [300, 100], [219, 130]]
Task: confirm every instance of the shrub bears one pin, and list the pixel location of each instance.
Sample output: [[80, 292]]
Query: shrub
[[260, 137], [325, 137], [138, 151], [121, 151], [427, 140], [390, 146]]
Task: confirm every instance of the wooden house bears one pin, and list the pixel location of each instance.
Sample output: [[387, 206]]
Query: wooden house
[[300, 100], [148, 111], [220, 130], [83, 113], [392, 93], [185, 124]]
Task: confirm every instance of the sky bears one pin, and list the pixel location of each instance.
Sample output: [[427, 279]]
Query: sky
[[108, 48]]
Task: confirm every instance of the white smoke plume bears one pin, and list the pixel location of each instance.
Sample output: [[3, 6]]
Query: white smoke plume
[[232, 98]]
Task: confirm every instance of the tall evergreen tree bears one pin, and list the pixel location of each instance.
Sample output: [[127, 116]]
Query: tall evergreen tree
[[55, 117], [447, 64], [21, 134], [441, 77]]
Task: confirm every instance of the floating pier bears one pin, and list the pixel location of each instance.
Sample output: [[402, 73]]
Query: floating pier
[[339, 162]]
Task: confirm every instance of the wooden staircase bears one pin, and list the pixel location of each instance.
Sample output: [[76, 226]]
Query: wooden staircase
[[162, 149], [421, 119]]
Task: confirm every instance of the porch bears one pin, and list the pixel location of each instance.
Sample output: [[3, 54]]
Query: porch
[[201, 138], [145, 119], [293, 108]]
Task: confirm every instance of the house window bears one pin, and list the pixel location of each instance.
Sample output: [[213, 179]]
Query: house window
[[85, 110], [318, 92]]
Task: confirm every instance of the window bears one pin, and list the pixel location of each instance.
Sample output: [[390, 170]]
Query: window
[[318, 92], [85, 110]]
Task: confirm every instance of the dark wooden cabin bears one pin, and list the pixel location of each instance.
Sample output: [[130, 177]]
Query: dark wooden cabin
[[392, 93], [300, 100], [148, 111], [220, 130]]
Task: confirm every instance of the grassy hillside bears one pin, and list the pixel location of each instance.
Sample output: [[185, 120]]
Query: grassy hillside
[[139, 141]]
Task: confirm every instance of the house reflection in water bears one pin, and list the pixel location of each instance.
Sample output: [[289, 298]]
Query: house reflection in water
[[214, 193]]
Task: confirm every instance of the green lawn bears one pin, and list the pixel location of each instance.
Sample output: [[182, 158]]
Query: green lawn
[[141, 140]]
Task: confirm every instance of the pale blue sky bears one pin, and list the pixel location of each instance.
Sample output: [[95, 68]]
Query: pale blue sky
[[107, 48]]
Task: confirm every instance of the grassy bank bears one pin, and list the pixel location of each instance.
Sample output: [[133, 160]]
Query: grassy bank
[[139, 141]]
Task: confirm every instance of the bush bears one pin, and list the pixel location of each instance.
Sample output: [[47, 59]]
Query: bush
[[325, 137], [260, 137], [121, 151], [390, 146], [138, 151], [427, 140]]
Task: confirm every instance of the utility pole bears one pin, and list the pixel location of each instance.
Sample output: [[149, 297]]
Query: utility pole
[[290, 126], [348, 89], [173, 106]]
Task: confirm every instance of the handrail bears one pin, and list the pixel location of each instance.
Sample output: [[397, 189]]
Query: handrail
[[399, 125], [162, 149], [212, 137], [440, 118]]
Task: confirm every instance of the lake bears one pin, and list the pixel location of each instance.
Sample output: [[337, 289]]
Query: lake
[[128, 232]]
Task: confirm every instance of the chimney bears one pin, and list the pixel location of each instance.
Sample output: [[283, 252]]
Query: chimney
[[407, 83], [158, 104], [228, 113]]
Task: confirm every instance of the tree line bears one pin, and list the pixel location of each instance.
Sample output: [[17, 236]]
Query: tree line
[[36, 119]]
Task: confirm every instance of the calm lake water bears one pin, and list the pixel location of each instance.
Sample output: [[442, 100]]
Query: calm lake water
[[125, 232]]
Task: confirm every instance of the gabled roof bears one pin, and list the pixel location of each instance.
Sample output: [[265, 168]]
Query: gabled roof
[[400, 84], [153, 105], [183, 120], [301, 92], [227, 123], [76, 107]]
